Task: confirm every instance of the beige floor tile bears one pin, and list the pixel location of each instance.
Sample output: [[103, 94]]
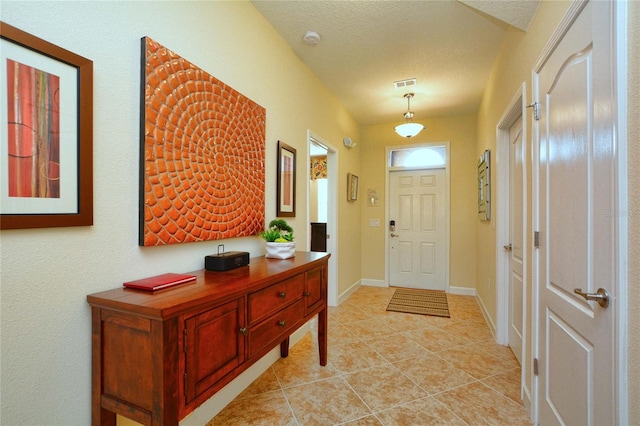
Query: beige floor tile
[[348, 314], [339, 333], [364, 421], [507, 383], [477, 404], [382, 368], [467, 332], [354, 356], [265, 410], [396, 347], [476, 363], [297, 369], [490, 346], [325, 402], [384, 387], [267, 382], [434, 339], [402, 322], [424, 412], [375, 309], [433, 374], [370, 328]]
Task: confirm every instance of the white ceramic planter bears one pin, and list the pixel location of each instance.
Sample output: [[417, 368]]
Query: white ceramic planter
[[281, 250]]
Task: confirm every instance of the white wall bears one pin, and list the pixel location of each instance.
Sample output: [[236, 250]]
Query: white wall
[[47, 273]]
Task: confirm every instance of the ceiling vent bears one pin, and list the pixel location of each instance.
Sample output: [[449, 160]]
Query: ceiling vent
[[401, 84]]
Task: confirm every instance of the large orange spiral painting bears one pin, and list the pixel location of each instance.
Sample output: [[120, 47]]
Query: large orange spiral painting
[[203, 148]]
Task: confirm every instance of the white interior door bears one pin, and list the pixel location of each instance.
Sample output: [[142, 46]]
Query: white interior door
[[577, 235], [418, 242], [516, 240]]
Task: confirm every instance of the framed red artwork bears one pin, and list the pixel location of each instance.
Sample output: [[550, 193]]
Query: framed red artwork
[[46, 133]]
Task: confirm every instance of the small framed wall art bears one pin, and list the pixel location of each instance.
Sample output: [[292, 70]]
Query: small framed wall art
[[286, 181], [46, 133], [484, 186], [352, 187]]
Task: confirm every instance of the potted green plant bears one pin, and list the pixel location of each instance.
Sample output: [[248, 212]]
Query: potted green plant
[[280, 240]]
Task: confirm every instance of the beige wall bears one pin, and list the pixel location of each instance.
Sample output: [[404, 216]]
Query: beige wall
[[634, 210], [517, 56], [47, 273], [460, 132]]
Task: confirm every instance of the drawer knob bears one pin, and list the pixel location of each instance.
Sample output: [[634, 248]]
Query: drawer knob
[[282, 323], [244, 330], [307, 294], [282, 294]]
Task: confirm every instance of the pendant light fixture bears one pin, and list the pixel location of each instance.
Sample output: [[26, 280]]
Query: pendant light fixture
[[409, 129]]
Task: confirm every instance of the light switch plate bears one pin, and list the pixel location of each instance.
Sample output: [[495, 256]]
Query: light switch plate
[[374, 222]]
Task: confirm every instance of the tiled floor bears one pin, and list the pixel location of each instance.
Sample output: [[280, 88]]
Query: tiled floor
[[389, 368]]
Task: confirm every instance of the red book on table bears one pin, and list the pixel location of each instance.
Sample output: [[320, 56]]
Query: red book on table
[[160, 281]]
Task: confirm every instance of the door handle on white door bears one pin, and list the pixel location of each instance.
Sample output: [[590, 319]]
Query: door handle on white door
[[394, 235], [508, 248], [601, 296]]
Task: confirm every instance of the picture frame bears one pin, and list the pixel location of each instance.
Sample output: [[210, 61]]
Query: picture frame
[[484, 186], [47, 170], [352, 187], [286, 181]]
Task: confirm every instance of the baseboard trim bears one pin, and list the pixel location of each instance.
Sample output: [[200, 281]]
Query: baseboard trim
[[348, 292], [487, 317], [373, 283], [463, 291]]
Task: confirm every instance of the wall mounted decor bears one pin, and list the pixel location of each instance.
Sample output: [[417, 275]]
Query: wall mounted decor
[[202, 154], [352, 187], [319, 167], [484, 186], [46, 133], [286, 192]]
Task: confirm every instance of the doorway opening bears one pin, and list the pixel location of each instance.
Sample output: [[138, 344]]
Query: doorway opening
[[322, 217], [512, 288]]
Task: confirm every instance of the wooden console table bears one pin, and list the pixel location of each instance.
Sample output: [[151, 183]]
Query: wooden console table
[[157, 356]]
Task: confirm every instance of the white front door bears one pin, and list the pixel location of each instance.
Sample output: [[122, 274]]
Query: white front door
[[577, 187], [516, 241], [418, 242]]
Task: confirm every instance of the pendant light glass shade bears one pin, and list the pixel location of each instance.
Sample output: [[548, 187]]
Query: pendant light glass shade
[[409, 129]]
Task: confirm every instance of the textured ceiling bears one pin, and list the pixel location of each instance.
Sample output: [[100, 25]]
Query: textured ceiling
[[448, 46]]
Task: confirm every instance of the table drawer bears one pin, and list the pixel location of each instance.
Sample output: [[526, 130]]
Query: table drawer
[[275, 327], [273, 298]]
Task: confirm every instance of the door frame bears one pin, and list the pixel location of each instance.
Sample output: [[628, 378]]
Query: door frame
[[621, 203], [332, 211], [516, 109], [447, 189]]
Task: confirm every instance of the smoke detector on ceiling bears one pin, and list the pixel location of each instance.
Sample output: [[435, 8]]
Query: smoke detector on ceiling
[[311, 38]]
